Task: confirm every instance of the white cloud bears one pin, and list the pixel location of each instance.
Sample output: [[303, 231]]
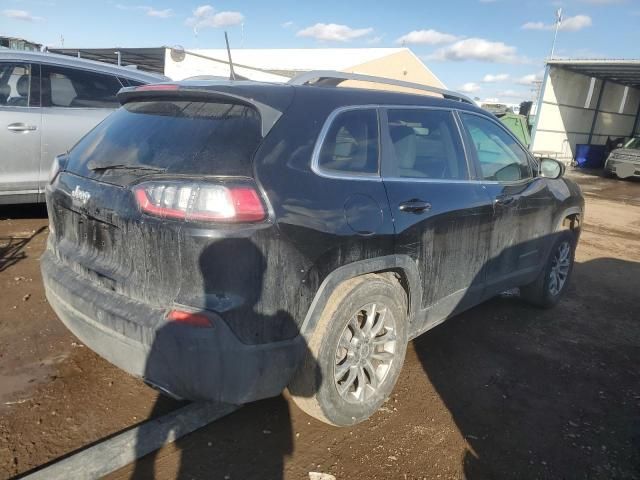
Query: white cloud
[[149, 11], [375, 40], [333, 32], [205, 16], [569, 24], [427, 37], [530, 79], [478, 49], [166, 13], [573, 24], [499, 77], [469, 87], [288, 24], [21, 15], [536, 26]]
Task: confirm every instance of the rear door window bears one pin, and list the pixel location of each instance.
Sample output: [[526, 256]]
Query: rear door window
[[75, 88], [351, 144], [179, 136], [17, 87], [425, 143]]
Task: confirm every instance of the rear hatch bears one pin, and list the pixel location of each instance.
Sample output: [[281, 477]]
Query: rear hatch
[[174, 145]]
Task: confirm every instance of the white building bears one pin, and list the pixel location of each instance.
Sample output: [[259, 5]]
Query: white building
[[271, 65]]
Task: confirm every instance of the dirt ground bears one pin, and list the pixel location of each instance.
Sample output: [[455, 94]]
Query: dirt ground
[[501, 391]]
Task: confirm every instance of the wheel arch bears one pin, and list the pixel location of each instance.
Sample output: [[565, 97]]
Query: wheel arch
[[569, 219], [401, 265]]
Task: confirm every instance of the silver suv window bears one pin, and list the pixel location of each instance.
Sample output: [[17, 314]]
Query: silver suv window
[[15, 84], [75, 88], [351, 143]]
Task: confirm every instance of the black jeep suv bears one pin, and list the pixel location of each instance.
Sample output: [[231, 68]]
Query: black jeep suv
[[227, 240]]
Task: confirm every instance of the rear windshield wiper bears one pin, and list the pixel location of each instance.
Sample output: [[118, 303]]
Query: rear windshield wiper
[[121, 166]]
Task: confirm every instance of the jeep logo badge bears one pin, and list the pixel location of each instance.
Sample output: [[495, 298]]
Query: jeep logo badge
[[80, 195]]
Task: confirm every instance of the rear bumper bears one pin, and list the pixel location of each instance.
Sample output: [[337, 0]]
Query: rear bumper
[[187, 362]]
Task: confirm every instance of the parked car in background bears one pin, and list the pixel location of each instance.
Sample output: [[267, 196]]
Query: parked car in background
[[225, 240], [47, 103], [624, 161]]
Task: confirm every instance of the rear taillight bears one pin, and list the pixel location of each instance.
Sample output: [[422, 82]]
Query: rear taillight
[[200, 202]]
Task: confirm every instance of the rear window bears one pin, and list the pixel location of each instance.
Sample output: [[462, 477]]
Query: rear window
[[181, 136]]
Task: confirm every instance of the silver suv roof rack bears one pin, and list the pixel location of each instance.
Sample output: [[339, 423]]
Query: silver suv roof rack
[[333, 78]]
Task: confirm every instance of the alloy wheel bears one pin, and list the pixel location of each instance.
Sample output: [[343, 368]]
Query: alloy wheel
[[365, 353], [560, 265]]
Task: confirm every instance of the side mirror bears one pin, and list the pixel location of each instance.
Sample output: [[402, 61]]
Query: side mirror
[[551, 168]]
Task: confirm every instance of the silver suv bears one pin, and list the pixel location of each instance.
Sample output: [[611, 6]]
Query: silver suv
[[47, 103]]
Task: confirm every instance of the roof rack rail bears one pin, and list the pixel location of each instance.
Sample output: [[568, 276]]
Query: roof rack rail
[[334, 78]]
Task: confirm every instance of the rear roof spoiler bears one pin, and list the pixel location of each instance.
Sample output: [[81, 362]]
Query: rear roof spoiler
[[269, 115]]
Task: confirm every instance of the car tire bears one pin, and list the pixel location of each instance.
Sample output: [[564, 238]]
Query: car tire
[[552, 282], [355, 353]]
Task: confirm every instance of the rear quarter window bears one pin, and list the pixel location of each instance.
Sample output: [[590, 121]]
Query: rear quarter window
[[181, 136], [351, 144]]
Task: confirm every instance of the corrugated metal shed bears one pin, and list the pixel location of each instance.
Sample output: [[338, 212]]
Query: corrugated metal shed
[[625, 72]]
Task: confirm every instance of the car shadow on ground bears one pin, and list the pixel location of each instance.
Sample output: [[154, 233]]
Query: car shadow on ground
[[12, 248], [546, 393], [248, 444]]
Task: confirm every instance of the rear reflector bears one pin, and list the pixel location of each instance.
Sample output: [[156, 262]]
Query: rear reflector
[[189, 318], [200, 202]]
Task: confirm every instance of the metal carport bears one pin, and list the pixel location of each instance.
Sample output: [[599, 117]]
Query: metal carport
[[586, 102]]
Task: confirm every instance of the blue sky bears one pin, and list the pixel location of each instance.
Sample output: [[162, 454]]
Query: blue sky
[[488, 48]]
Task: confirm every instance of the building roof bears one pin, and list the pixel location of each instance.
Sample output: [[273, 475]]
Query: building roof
[[625, 72], [27, 56], [301, 59]]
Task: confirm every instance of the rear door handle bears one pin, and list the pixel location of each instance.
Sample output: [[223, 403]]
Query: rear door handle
[[415, 206], [504, 200], [21, 127]]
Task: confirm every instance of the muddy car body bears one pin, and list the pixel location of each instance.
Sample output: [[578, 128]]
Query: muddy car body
[[227, 240]]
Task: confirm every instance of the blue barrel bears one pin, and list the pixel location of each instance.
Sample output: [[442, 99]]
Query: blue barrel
[[590, 156]]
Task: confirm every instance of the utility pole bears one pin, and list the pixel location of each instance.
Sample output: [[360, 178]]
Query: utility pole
[[555, 33]]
